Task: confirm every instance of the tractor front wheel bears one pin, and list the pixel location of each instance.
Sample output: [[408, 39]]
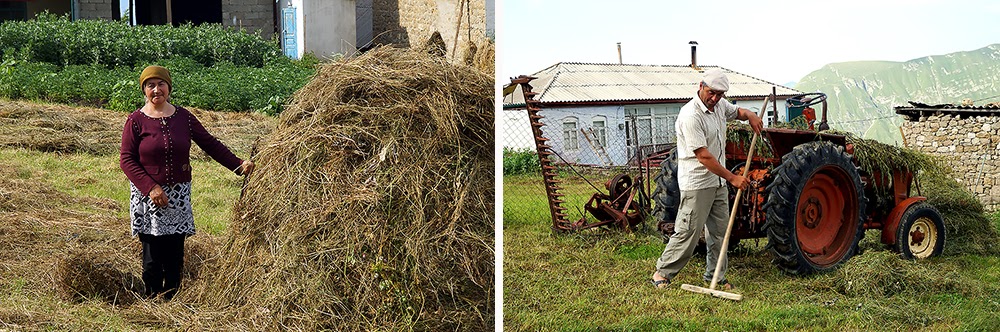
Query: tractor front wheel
[[666, 196], [921, 232], [813, 207]]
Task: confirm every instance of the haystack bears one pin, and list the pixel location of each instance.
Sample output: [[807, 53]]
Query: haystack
[[485, 58], [372, 204]]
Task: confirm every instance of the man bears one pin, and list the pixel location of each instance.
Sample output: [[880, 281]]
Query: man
[[702, 176]]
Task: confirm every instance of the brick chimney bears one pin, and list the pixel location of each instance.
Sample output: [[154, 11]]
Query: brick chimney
[[694, 55]]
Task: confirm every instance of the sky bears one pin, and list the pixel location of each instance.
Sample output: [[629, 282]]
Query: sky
[[779, 41]]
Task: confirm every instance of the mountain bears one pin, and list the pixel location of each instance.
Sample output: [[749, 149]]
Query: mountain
[[862, 94]]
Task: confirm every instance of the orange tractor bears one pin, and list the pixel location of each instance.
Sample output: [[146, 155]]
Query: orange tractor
[[813, 201]]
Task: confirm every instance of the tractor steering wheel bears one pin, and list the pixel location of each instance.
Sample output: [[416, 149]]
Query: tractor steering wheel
[[806, 99]]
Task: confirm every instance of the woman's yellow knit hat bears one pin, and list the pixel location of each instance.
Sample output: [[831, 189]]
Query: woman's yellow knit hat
[[155, 72]]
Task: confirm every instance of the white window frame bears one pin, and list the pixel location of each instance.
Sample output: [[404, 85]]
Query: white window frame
[[599, 125], [571, 138]]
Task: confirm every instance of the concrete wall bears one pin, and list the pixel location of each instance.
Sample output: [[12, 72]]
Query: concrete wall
[[94, 9], [330, 27], [411, 22], [251, 15], [970, 147]]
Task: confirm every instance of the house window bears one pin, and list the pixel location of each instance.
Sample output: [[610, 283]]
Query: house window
[[653, 125], [570, 140], [599, 128]]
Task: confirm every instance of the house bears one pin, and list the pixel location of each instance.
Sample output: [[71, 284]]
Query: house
[[322, 27], [603, 114], [965, 138]]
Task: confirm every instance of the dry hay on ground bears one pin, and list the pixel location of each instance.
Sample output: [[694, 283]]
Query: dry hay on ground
[[54, 241], [372, 204], [88, 272], [57, 246], [68, 129], [882, 274], [58, 128]]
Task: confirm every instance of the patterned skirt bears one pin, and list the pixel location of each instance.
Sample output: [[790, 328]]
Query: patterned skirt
[[176, 218]]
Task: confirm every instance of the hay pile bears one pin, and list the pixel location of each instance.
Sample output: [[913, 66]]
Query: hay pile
[[372, 204]]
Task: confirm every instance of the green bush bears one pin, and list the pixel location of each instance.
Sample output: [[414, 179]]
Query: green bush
[[59, 41], [97, 63], [520, 161], [224, 87]]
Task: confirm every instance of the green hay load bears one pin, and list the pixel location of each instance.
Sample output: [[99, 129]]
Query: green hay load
[[969, 229]]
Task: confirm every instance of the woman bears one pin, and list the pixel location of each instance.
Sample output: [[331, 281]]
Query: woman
[[156, 158]]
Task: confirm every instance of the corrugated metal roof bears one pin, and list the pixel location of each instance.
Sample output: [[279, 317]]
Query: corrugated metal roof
[[573, 82]]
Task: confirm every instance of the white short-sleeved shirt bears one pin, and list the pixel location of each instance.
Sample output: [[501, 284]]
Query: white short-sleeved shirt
[[698, 127]]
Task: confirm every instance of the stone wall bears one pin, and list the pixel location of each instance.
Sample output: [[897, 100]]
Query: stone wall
[[95, 9], [411, 22], [970, 146], [251, 15]]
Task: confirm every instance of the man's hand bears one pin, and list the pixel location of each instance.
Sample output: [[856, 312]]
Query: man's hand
[[158, 197], [738, 181], [755, 122]]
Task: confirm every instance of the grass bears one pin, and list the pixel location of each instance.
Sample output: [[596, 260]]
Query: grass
[[214, 188], [598, 281]]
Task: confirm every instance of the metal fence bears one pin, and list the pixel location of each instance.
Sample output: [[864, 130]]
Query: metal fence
[[553, 168]]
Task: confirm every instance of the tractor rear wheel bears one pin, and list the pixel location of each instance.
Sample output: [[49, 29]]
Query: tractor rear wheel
[[666, 196], [814, 209], [921, 232]]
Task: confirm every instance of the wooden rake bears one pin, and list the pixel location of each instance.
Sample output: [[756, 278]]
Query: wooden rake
[[729, 229]]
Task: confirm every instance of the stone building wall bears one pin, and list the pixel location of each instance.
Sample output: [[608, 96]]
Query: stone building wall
[[95, 9], [411, 22], [970, 146], [251, 15]]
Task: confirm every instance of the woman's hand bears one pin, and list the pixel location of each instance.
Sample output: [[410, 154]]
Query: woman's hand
[[158, 197], [246, 168]]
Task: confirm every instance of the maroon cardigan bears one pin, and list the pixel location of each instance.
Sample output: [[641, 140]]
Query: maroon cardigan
[[158, 150]]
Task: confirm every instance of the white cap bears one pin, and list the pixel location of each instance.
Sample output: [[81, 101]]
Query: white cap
[[716, 80]]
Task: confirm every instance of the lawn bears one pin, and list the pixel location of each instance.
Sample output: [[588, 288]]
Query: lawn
[[598, 281]]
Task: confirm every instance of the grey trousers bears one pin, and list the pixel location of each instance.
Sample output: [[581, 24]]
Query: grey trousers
[[704, 209]]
